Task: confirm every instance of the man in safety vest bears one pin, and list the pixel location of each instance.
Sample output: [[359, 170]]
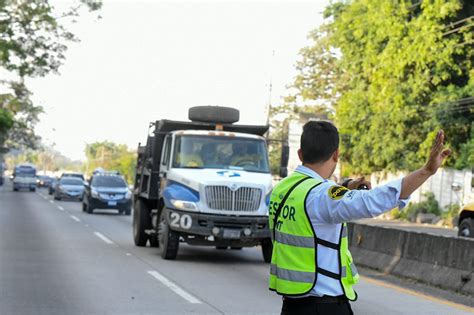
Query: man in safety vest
[[311, 266]]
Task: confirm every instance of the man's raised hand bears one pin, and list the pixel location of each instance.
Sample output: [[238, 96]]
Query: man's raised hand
[[438, 153]]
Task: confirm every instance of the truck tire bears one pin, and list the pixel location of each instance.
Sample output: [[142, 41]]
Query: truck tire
[[267, 249], [466, 228], [214, 114], [221, 247], [84, 207], [168, 239], [141, 222], [128, 211]]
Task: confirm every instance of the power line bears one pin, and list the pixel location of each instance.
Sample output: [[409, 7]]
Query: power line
[[458, 29], [459, 21]]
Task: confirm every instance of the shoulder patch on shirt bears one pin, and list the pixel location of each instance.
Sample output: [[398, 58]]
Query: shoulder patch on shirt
[[337, 192]]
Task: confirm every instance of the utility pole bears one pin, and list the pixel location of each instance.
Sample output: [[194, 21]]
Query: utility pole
[[270, 87]]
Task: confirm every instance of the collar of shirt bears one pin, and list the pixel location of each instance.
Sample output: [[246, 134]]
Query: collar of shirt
[[307, 171]]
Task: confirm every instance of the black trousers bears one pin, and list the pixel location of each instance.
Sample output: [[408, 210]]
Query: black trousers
[[316, 306]]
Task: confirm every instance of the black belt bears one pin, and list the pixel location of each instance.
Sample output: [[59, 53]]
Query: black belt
[[316, 299]]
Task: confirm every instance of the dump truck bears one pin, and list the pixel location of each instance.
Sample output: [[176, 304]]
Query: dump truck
[[205, 181]]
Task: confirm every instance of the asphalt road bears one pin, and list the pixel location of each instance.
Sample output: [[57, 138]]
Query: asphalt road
[[56, 259]]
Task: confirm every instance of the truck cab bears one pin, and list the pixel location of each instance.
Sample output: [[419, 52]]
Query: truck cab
[[204, 183]]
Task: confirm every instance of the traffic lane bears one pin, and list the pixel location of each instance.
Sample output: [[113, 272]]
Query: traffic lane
[[411, 227], [230, 280], [236, 281], [53, 264]]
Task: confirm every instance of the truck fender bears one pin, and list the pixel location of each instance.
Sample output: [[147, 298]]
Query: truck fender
[[178, 191]]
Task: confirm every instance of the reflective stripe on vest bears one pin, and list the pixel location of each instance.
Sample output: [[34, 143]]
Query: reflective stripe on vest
[[289, 239], [353, 270], [292, 275]]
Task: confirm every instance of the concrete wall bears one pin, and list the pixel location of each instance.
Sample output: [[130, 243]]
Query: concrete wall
[[446, 262]]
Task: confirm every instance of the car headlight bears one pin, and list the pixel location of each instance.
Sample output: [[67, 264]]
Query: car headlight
[[128, 194], [94, 193], [184, 205]]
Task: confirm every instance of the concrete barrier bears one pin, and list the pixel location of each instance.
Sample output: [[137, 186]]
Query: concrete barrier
[[446, 262]]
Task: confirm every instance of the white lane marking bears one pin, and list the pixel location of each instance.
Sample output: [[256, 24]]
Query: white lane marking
[[51, 201], [128, 254], [102, 237], [60, 208], [185, 295], [75, 218]]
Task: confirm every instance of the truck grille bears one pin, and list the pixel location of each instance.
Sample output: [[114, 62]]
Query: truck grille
[[224, 198]]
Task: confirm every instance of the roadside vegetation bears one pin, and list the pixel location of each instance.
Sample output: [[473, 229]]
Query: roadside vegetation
[[389, 73], [110, 156], [416, 212], [33, 42]]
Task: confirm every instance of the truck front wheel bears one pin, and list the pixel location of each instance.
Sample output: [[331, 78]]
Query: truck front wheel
[[168, 239], [466, 228], [267, 248], [141, 222]]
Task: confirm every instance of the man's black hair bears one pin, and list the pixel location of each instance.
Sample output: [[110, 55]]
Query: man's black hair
[[320, 139]]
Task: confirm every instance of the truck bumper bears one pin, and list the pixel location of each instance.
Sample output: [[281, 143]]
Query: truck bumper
[[220, 227]]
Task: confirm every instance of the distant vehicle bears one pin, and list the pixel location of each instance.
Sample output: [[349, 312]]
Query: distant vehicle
[[205, 182], [72, 174], [24, 176], [107, 191], [69, 188], [44, 181], [466, 221]]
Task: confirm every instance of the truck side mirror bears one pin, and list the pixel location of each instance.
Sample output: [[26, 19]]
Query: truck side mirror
[[285, 156]]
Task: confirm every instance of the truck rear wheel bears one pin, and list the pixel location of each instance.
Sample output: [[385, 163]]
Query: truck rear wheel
[[141, 222], [267, 249], [168, 239], [466, 228]]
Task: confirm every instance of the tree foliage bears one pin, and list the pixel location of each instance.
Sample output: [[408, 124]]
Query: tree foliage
[[32, 43], [111, 156], [45, 158], [394, 71]]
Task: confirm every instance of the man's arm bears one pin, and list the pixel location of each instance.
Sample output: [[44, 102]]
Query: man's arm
[[414, 180], [335, 206]]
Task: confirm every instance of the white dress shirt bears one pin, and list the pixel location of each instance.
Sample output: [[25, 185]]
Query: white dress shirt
[[327, 215]]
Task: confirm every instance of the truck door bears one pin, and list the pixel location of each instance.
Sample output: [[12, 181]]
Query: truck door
[[165, 161]]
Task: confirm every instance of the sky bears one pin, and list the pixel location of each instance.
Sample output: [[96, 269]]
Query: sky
[[148, 60]]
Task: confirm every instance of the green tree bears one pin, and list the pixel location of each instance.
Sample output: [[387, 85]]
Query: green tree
[[32, 44], [398, 70], [111, 156]]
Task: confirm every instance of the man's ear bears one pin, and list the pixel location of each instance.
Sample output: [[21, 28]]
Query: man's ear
[[335, 155], [300, 155]]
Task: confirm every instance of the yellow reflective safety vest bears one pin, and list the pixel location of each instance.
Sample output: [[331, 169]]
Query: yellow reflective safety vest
[[294, 267]]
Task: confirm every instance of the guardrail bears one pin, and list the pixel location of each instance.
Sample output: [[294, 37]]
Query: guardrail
[[443, 261]]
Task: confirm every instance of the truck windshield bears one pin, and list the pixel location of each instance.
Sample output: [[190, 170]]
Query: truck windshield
[[220, 152]]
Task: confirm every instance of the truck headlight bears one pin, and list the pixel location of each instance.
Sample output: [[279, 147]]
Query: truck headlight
[[128, 194], [94, 193], [184, 205]]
